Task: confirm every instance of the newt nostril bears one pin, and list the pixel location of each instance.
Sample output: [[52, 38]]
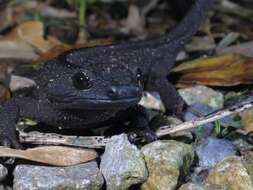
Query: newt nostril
[[123, 92], [113, 92]]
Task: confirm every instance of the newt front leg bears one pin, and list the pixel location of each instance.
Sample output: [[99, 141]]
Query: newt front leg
[[8, 117], [16, 108]]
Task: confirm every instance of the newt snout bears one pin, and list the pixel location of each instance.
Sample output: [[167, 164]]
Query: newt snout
[[124, 92]]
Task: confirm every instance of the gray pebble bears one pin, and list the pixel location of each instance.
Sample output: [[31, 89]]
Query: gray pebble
[[82, 177]]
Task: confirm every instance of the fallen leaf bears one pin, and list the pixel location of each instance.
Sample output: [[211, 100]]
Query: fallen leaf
[[225, 70], [230, 7], [32, 32], [18, 83], [51, 53], [5, 15], [18, 50], [135, 21], [51, 12], [52, 155], [243, 49], [59, 49]]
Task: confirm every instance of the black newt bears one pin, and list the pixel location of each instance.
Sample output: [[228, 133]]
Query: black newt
[[88, 86]]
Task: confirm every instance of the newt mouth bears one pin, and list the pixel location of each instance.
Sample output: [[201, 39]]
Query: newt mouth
[[98, 104]]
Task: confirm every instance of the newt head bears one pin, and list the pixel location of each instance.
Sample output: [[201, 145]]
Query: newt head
[[80, 84]]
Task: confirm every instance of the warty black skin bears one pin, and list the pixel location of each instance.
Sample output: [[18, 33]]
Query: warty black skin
[[117, 76]]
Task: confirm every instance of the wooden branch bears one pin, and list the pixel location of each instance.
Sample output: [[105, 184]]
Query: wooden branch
[[56, 139], [100, 141], [239, 107]]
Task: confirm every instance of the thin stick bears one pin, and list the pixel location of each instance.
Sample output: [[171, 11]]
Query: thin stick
[[150, 6], [239, 107], [56, 139], [101, 141]]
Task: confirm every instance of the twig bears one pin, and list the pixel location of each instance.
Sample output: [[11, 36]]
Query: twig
[[150, 6], [100, 141], [56, 139], [239, 107], [229, 7]]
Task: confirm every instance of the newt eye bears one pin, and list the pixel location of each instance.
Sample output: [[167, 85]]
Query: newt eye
[[139, 75], [81, 81]]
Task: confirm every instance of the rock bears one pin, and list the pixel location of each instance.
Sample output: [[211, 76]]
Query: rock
[[230, 173], [241, 143], [203, 95], [199, 175], [209, 186], [5, 187], [205, 130], [161, 120], [248, 162], [82, 177], [152, 100], [3, 172], [247, 121], [191, 186], [201, 108], [166, 161], [213, 150], [122, 164]]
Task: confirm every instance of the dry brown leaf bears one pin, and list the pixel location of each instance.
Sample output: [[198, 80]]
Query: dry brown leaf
[[59, 49], [225, 70], [32, 32], [17, 50], [51, 53], [52, 155]]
